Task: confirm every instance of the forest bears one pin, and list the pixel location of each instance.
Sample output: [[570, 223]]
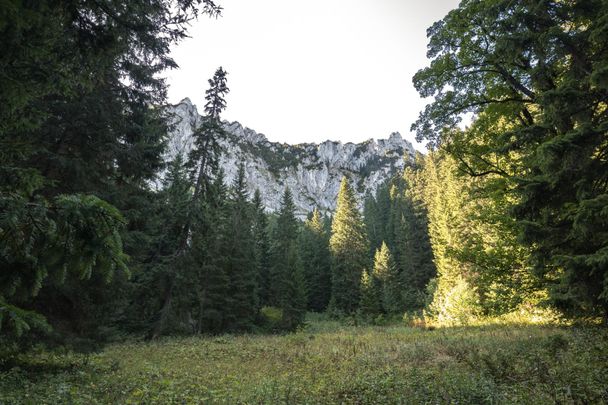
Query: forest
[[497, 236]]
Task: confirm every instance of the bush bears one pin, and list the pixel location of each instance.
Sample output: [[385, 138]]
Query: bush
[[272, 319]]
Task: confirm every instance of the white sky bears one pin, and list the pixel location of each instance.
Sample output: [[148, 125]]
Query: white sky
[[308, 71]]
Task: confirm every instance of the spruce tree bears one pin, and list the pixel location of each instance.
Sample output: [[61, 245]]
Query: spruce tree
[[314, 248], [370, 303], [79, 145], [203, 165], [293, 300], [385, 274], [262, 247], [287, 284], [349, 252], [238, 251], [209, 278]]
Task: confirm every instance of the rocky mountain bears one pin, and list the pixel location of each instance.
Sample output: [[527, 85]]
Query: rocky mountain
[[312, 171]]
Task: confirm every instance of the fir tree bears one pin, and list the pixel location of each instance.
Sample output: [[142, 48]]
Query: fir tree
[[211, 282], [262, 247], [238, 251], [314, 248], [79, 143], [203, 164], [370, 296], [349, 251], [293, 297], [287, 284], [387, 277]]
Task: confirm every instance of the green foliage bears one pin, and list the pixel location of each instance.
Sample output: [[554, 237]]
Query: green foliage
[[473, 239], [327, 363], [238, 259], [293, 297], [314, 250], [454, 303], [74, 234], [397, 217], [262, 247], [287, 288], [370, 301], [78, 145], [386, 275], [272, 319], [349, 251], [533, 73]]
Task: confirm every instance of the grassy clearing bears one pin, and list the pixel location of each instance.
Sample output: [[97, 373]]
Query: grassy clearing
[[329, 363]]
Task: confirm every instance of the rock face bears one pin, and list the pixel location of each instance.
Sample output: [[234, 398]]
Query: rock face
[[312, 171]]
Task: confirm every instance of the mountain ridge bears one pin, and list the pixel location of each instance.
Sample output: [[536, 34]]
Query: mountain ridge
[[312, 171]]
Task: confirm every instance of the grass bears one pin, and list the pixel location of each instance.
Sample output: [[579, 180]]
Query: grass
[[328, 363]]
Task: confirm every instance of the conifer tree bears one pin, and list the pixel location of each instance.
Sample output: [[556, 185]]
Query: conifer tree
[[370, 296], [314, 248], [203, 164], [293, 300], [262, 247], [416, 258], [349, 252], [211, 281], [238, 251], [205, 153], [287, 284], [386, 276], [79, 144]]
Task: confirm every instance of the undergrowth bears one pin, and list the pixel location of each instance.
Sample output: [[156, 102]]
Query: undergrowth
[[328, 362]]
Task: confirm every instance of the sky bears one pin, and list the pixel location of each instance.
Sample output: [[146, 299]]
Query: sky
[[308, 71]]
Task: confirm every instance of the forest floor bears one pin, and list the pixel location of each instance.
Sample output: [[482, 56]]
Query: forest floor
[[328, 363]]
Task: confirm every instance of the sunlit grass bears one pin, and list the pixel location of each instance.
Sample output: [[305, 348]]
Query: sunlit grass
[[330, 363]]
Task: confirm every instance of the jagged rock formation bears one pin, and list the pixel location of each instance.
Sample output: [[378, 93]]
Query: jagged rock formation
[[312, 171]]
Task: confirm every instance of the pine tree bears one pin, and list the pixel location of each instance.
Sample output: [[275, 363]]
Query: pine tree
[[287, 284], [386, 276], [349, 250], [293, 300], [210, 279], [240, 264], [262, 247], [314, 250], [203, 165], [370, 296], [79, 144], [416, 258]]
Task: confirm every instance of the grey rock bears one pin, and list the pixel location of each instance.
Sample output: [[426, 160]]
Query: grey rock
[[312, 171]]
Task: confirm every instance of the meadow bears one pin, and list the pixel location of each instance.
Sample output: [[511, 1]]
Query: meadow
[[327, 362]]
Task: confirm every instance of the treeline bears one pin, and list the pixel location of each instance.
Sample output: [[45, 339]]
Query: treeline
[[506, 214]]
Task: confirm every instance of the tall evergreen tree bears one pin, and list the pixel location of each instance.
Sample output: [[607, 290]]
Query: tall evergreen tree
[[262, 247], [293, 300], [76, 135], [314, 248], [370, 301], [287, 284], [207, 269], [349, 251], [386, 276], [203, 164], [238, 251]]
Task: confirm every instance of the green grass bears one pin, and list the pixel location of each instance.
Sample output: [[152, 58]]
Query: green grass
[[328, 363]]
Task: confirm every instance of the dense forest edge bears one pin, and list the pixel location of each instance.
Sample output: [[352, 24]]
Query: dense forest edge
[[504, 220]]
